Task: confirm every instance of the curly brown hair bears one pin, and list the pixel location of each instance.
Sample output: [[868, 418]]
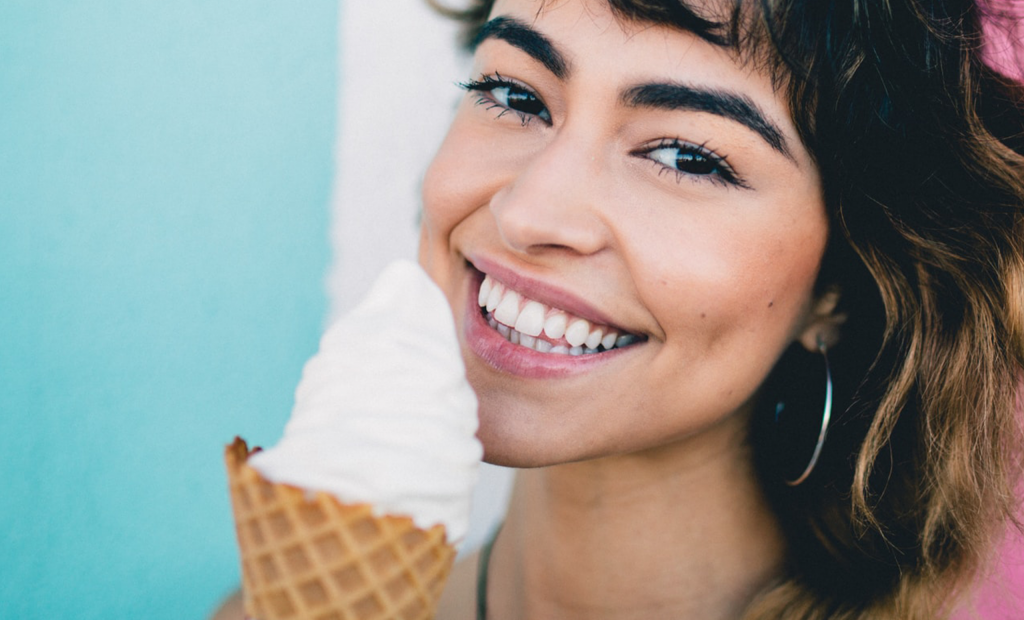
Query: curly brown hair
[[920, 145]]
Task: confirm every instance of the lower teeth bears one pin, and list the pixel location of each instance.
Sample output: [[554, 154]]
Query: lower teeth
[[543, 346]]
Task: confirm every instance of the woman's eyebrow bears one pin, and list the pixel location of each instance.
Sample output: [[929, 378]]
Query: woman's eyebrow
[[665, 96], [733, 106], [524, 37]]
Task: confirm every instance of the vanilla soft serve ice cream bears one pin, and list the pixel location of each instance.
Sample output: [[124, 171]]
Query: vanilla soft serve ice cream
[[383, 414]]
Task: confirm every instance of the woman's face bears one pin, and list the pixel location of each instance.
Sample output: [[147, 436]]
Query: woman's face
[[617, 177]]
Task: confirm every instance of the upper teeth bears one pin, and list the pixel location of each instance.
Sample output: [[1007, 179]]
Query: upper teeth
[[522, 320]]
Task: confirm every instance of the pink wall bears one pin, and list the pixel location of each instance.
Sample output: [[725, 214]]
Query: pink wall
[[1001, 597], [1004, 36]]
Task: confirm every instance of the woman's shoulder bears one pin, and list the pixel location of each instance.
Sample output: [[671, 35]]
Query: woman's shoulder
[[459, 599]]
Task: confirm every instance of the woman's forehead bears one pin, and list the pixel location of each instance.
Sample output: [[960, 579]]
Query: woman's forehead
[[574, 34], [736, 26], [692, 15], [565, 33]]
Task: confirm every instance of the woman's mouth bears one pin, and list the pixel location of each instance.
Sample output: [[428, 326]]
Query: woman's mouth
[[542, 328]]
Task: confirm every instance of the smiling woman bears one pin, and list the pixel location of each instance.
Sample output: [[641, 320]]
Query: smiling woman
[[663, 227], [631, 203]]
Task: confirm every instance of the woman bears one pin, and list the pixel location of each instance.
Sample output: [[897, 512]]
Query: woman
[[641, 209], [741, 289]]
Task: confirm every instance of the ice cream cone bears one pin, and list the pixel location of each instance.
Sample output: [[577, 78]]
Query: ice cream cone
[[307, 556]]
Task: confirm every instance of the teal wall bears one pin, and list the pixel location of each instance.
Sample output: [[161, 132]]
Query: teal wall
[[165, 174]]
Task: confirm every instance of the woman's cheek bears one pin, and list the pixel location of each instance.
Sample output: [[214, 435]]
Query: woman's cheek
[[440, 191]]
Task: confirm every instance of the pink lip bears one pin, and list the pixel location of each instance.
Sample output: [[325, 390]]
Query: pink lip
[[543, 292], [504, 356]]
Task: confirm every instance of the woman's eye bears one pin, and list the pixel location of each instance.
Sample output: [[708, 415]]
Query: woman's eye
[[691, 160], [685, 161], [521, 101], [508, 96]]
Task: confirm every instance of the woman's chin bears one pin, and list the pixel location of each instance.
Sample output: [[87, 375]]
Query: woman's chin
[[526, 445], [508, 449]]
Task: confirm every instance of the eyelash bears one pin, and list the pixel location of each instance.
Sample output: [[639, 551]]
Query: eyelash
[[485, 86], [698, 154], [721, 172]]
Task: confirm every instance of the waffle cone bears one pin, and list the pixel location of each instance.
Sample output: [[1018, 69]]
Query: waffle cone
[[307, 556]]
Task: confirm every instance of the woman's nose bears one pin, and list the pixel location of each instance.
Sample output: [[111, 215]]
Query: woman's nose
[[553, 201]]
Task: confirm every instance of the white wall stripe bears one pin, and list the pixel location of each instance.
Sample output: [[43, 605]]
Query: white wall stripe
[[397, 69]]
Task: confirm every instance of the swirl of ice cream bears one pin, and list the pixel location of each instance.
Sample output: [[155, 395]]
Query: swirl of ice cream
[[383, 414]]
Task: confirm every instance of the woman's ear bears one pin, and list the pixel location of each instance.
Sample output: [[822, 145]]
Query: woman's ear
[[823, 322]]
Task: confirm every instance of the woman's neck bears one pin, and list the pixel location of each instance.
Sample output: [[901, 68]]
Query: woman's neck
[[679, 532]]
